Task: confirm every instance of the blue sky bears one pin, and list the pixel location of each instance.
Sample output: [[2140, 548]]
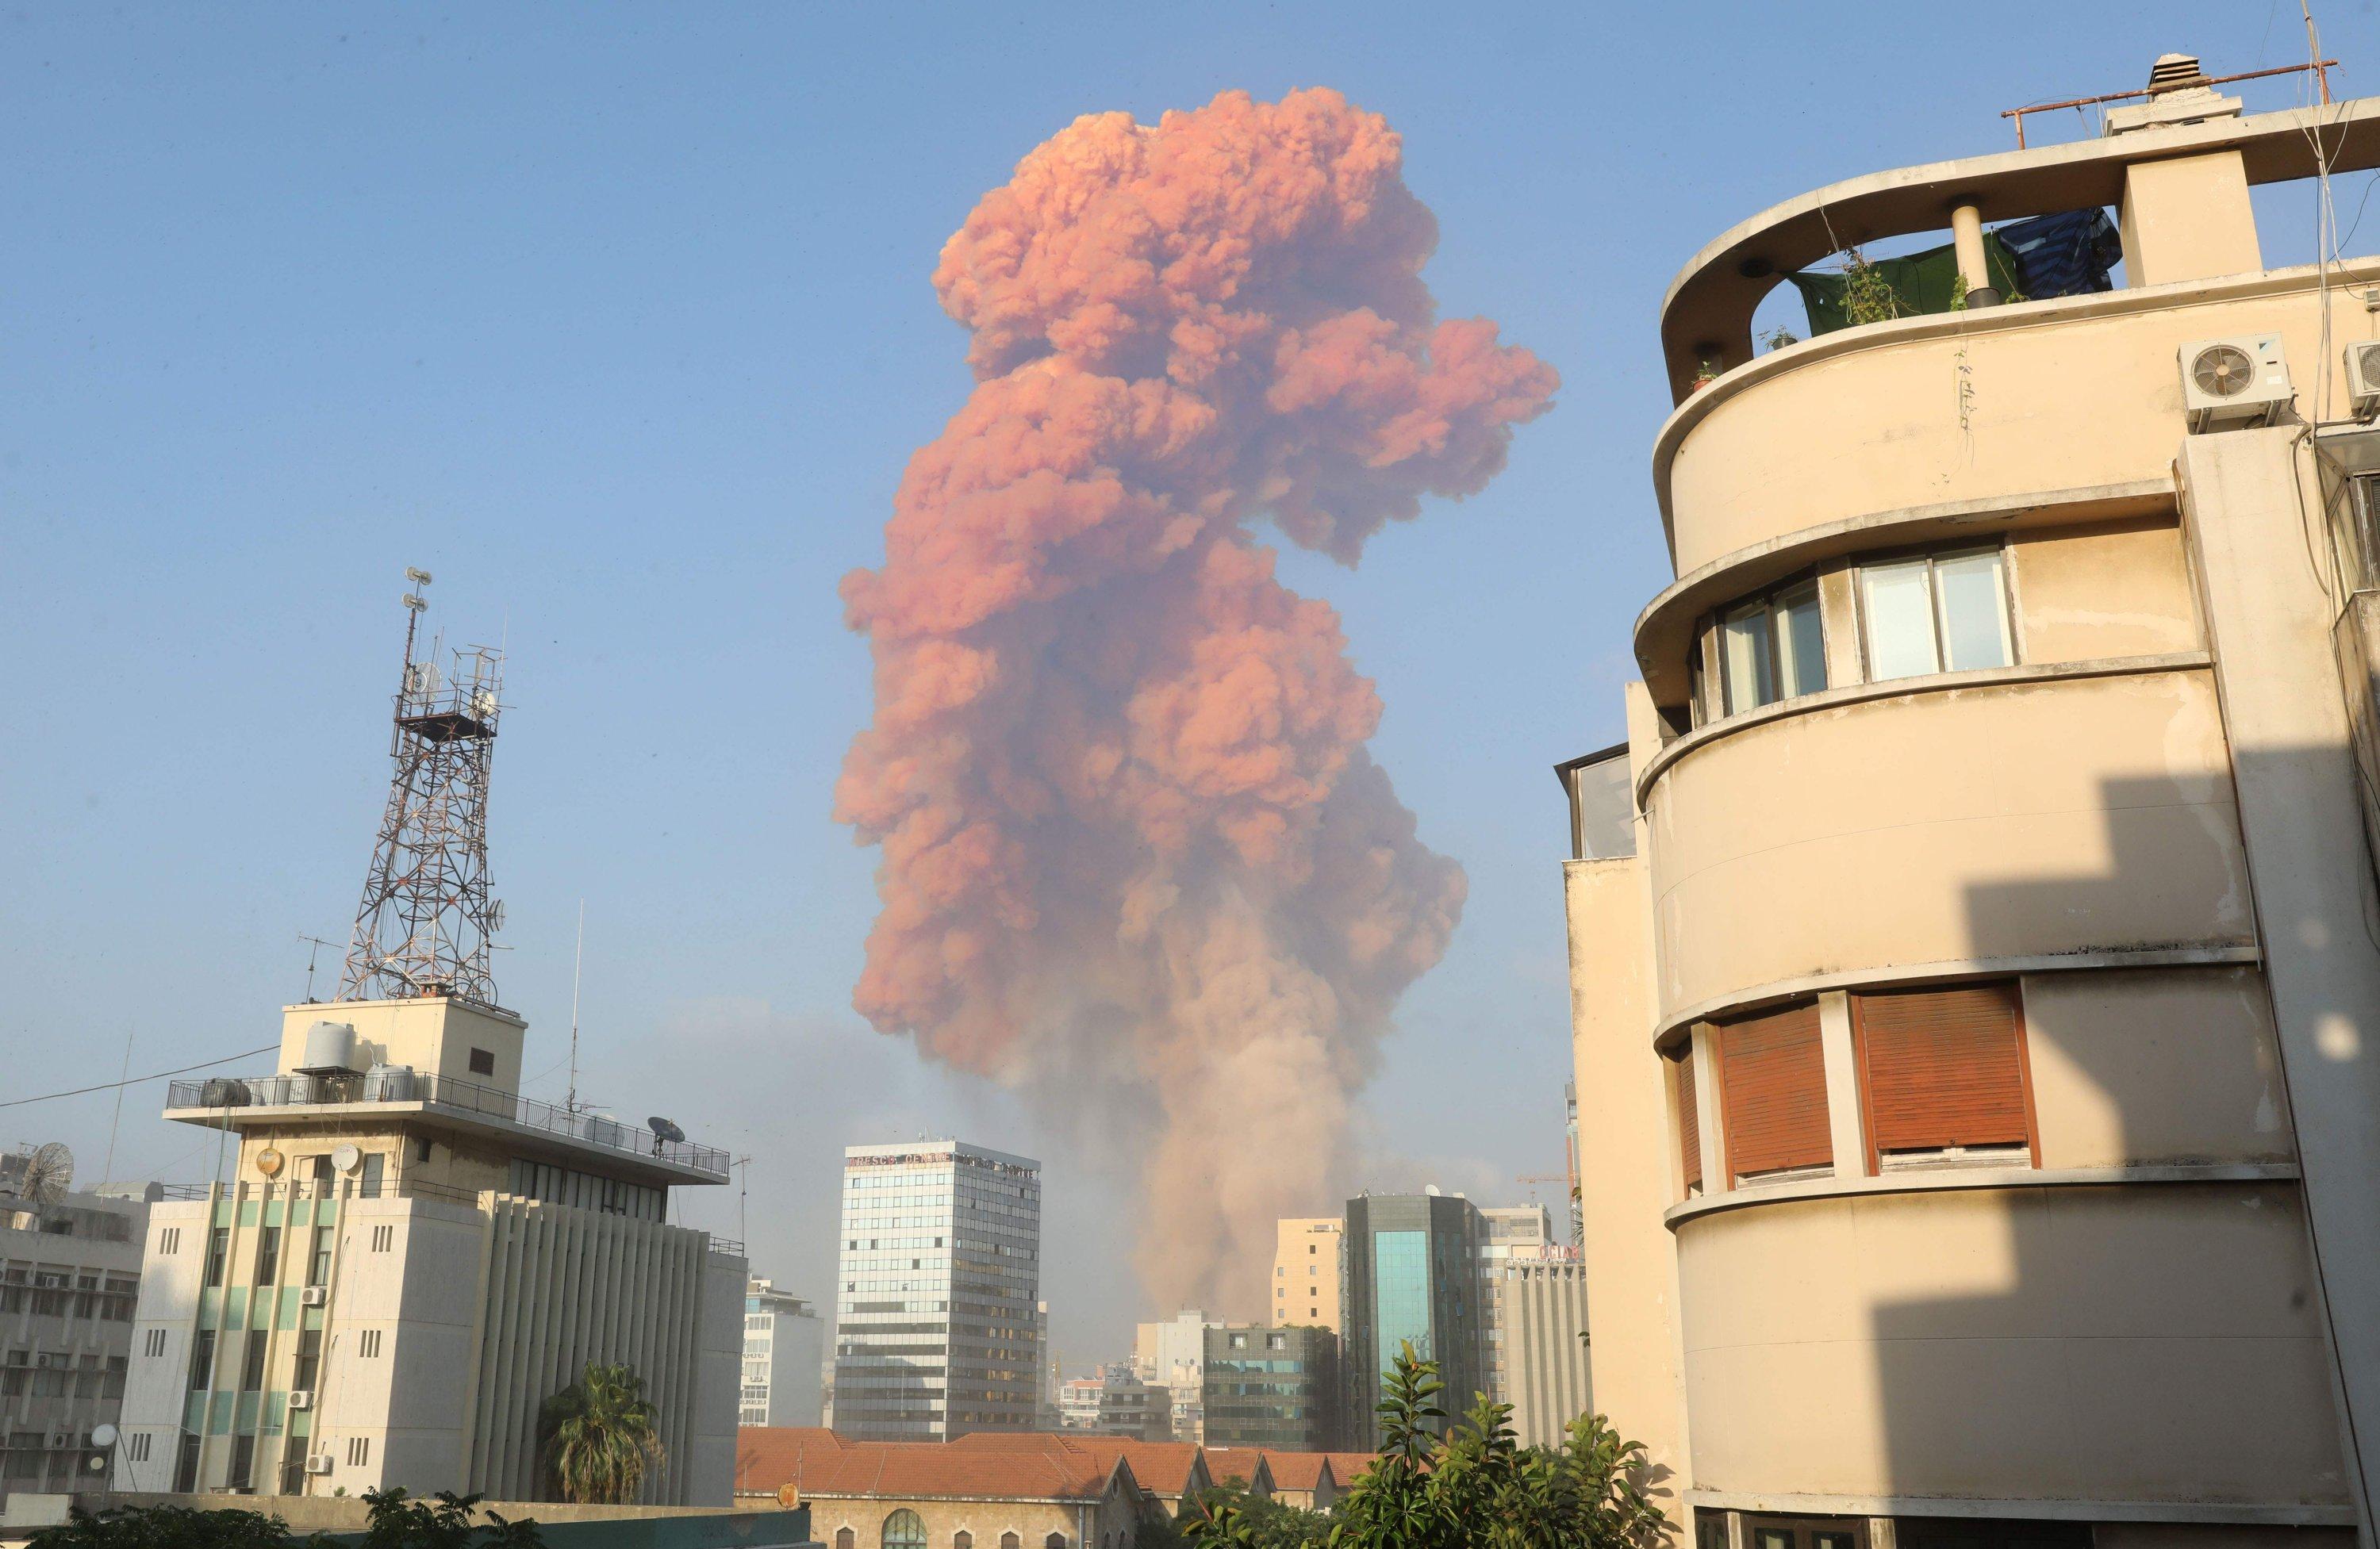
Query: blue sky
[[616, 319]]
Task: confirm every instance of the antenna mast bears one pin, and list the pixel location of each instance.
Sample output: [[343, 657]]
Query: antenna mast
[[577, 961], [426, 923]]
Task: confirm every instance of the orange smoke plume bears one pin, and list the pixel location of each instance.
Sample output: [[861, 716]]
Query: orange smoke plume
[[1134, 848]]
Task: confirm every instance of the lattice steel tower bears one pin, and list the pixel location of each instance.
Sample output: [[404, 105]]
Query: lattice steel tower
[[427, 923]]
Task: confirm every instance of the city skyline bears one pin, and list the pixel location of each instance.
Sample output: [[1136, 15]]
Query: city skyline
[[322, 418]]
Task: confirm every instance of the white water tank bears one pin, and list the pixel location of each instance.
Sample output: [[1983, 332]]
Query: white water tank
[[389, 1083], [329, 1049]]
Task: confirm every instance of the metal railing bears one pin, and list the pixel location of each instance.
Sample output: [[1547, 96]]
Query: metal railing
[[396, 1187], [404, 1084]]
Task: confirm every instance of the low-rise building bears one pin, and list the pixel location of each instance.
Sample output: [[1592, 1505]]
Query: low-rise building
[[1304, 1479], [397, 1274], [70, 1271], [865, 1495], [784, 1342], [1168, 1474], [1268, 1387]]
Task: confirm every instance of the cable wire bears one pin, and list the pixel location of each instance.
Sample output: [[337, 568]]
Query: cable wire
[[135, 1081]]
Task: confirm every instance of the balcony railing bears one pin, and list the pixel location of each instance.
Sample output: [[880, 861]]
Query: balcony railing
[[403, 1084]]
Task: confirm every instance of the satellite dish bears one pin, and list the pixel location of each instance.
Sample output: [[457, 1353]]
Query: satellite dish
[[495, 915], [483, 703], [49, 1171], [789, 1497], [102, 1434], [268, 1162], [665, 1130], [345, 1157]]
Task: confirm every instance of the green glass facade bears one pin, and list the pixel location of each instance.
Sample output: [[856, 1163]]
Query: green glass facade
[[1412, 1275]]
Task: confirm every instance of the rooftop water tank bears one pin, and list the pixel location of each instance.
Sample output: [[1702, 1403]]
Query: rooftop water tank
[[329, 1049], [389, 1083]]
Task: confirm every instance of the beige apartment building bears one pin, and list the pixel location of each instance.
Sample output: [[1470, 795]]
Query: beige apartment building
[[1975, 996], [1305, 1271]]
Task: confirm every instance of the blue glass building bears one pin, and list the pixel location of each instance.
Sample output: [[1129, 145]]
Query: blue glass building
[[1412, 1275]]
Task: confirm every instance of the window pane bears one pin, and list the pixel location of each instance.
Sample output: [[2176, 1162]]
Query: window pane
[[1975, 611], [1899, 608], [1800, 642], [1743, 639]]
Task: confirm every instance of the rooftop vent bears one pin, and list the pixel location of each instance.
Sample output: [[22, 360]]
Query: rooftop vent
[[2172, 72]]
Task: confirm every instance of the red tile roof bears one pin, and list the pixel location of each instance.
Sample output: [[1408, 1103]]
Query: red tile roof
[[1238, 1465], [1298, 1471], [1346, 1466], [821, 1464], [1160, 1467]]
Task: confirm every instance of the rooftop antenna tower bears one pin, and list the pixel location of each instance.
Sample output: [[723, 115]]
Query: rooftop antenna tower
[[427, 923]]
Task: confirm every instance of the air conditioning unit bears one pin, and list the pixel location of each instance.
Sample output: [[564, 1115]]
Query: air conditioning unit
[[301, 1397], [314, 1296], [2363, 378], [2227, 384], [319, 1462]]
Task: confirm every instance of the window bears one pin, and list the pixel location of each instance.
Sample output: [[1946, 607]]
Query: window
[[310, 1358], [318, 1267], [186, 1464], [382, 1236], [136, 1446], [358, 1452], [845, 1539], [1772, 647], [375, 1169], [1690, 1116], [1936, 613], [1055, 1541], [251, 1369], [483, 1063], [268, 1255], [243, 1461], [203, 1359], [367, 1343], [169, 1239], [1772, 1084], [218, 1250], [1009, 1541], [962, 1539], [153, 1344], [903, 1530], [422, 1147], [1942, 1076]]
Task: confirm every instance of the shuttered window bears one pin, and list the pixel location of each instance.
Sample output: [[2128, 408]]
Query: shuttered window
[[1942, 1070], [1690, 1118], [1772, 1079]]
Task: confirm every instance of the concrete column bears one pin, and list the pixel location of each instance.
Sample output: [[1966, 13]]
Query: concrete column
[[1967, 236], [2269, 620], [1842, 1085], [1706, 1111]]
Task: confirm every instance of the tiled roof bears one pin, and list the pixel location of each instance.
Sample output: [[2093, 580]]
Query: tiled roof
[[1346, 1466], [1160, 1467], [1238, 1465], [1298, 1471], [822, 1465]]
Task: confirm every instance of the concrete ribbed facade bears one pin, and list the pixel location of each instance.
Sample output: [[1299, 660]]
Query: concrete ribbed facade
[[1543, 1309]]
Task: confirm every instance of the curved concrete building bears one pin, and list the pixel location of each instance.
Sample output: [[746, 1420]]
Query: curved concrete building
[[1976, 996]]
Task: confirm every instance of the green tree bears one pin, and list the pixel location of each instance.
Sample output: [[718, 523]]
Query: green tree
[[1480, 1489], [1227, 1516], [601, 1436]]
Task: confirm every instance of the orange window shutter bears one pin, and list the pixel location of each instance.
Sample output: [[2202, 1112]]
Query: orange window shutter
[[1690, 1119], [1943, 1068], [1773, 1092]]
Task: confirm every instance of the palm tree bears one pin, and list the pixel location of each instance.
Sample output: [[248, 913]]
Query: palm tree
[[601, 1435]]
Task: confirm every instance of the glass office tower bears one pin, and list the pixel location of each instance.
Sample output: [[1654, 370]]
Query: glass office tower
[[1411, 1265], [936, 1331]]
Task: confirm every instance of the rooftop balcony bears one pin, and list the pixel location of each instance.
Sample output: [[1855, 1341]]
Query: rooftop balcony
[[626, 1150]]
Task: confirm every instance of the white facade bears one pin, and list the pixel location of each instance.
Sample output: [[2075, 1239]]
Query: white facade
[[937, 1326], [1173, 1354], [1507, 1232], [399, 1274], [782, 1342], [68, 1274], [1541, 1302]]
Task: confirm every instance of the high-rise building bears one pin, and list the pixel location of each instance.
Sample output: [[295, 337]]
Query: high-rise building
[[70, 1271], [1540, 1301], [1412, 1278], [1270, 1387], [936, 1323], [1569, 1155], [408, 1258], [784, 1342], [1975, 986], [1507, 1231], [1306, 1271]]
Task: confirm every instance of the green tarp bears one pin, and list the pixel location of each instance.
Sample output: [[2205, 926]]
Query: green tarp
[[1923, 284]]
